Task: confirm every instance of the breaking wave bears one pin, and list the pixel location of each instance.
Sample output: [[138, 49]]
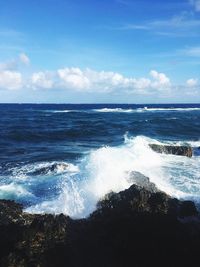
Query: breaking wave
[[112, 169]]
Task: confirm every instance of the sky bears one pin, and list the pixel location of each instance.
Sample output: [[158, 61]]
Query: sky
[[99, 51]]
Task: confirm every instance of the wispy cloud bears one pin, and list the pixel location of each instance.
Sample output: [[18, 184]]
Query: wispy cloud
[[157, 5], [10, 33], [195, 4], [11, 36], [191, 51], [24, 59], [14, 63], [123, 2], [183, 25]]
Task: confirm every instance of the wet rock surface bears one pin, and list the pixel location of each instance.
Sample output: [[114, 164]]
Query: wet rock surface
[[174, 150], [141, 180], [136, 227]]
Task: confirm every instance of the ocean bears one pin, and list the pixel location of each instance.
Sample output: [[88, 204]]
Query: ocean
[[63, 158]]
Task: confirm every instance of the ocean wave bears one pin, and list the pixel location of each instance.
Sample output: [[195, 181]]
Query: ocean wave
[[109, 168]]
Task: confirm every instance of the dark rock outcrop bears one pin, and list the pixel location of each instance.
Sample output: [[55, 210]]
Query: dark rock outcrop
[[174, 150], [136, 227]]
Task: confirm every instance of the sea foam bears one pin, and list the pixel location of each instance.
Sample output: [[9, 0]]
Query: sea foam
[[109, 168]]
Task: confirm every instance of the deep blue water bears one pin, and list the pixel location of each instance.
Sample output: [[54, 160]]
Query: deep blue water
[[34, 136]]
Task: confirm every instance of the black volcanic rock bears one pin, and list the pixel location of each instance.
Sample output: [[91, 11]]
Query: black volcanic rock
[[174, 150], [136, 227]]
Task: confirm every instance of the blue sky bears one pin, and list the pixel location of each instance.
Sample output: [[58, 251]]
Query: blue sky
[[100, 51]]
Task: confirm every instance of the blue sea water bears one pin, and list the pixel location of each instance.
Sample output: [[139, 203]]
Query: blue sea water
[[63, 158]]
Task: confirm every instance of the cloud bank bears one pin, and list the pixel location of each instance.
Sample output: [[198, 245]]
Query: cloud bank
[[89, 80], [13, 77]]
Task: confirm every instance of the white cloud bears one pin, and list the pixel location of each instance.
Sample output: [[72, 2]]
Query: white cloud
[[109, 81], [160, 80], [42, 80], [141, 83], [24, 59], [196, 4], [74, 78], [192, 82], [10, 80], [86, 80], [93, 81]]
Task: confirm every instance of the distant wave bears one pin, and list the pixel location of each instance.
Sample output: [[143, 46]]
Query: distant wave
[[170, 109], [114, 110], [122, 110], [59, 111], [145, 109]]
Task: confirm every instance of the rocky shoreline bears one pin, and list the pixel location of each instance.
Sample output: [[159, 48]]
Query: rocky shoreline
[[140, 226]]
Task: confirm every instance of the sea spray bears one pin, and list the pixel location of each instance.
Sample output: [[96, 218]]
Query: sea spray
[[108, 168]]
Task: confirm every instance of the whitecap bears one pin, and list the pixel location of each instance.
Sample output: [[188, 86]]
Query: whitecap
[[119, 110]]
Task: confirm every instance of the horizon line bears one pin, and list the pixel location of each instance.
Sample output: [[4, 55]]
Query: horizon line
[[51, 103]]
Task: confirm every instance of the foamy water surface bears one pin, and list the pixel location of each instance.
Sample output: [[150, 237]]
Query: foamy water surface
[[67, 162]]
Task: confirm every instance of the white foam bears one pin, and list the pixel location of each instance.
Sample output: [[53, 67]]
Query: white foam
[[145, 109], [170, 109], [13, 191], [108, 169], [58, 111], [62, 111], [124, 110], [119, 110], [61, 167]]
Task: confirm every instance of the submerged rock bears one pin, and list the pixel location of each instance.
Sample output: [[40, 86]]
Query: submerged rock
[[54, 167], [136, 227], [174, 150]]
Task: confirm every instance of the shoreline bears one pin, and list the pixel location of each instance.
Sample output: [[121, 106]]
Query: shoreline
[[140, 226]]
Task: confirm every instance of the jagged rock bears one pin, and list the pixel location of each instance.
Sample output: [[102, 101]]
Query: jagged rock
[[10, 212], [174, 150], [140, 199], [136, 227]]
